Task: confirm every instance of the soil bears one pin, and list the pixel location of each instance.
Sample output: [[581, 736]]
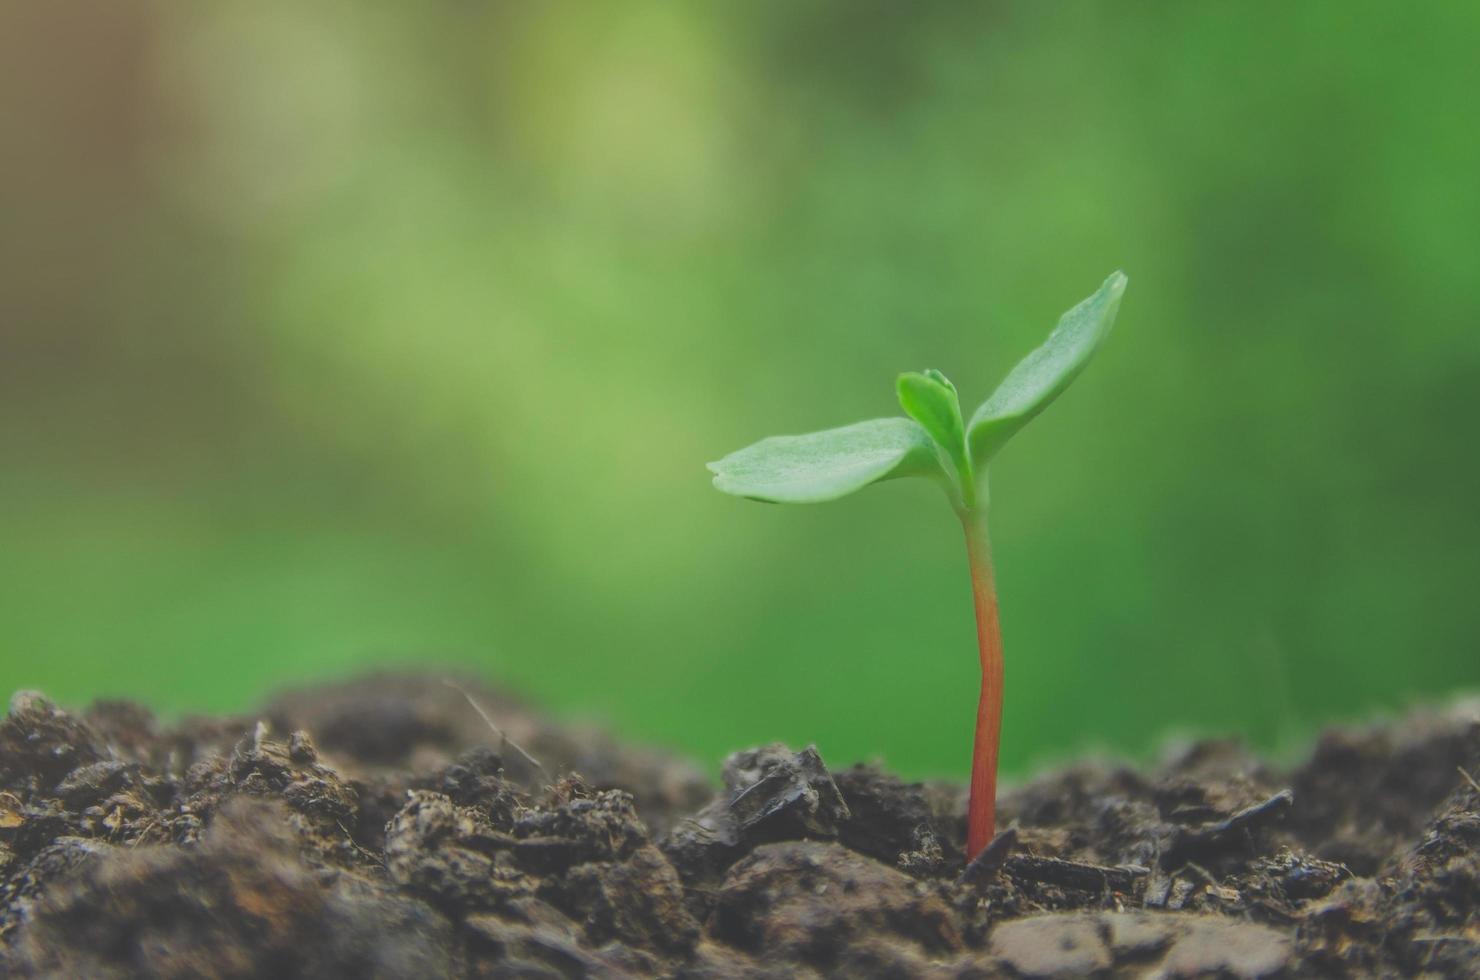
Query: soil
[[382, 829]]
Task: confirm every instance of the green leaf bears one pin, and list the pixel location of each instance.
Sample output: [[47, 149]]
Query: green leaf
[[1043, 375], [826, 465], [930, 399]]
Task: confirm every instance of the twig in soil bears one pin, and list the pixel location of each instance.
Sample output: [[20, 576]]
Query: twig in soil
[[990, 860], [139, 835], [1227, 833], [1201, 872], [1250, 817], [488, 720], [1469, 779], [365, 851], [1074, 874]]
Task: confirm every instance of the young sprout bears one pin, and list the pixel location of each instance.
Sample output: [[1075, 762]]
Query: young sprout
[[934, 442]]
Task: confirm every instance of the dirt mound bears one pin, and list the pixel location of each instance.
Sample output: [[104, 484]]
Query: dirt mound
[[382, 829]]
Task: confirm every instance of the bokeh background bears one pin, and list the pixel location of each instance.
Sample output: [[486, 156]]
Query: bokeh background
[[336, 335]]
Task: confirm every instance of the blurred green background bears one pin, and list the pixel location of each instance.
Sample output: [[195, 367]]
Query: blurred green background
[[335, 335]]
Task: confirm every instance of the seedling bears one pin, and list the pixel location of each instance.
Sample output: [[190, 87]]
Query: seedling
[[935, 443]]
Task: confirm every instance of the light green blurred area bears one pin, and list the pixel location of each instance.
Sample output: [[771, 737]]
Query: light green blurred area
[[334, 336]]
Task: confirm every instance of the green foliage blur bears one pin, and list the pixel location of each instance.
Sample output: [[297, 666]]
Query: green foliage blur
[[336, 335]]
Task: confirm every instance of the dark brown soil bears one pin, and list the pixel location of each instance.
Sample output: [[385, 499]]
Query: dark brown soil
[[381, 829]]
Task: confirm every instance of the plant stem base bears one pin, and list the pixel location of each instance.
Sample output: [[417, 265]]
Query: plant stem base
[[981, 812]]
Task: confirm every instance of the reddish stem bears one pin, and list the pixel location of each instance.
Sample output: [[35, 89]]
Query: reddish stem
[[982, 809]]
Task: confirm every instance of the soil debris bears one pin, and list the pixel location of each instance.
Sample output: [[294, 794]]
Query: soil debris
[[382, 828], [1235, 832], [991, 859]]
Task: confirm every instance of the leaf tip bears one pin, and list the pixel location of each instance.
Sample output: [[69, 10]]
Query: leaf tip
[[724, 484]]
